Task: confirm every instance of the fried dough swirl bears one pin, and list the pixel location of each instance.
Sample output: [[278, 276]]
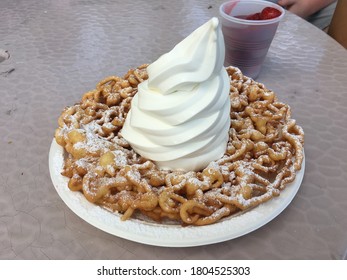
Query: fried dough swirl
[[264, 152]]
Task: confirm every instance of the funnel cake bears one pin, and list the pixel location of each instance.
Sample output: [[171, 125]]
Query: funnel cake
[[264, 152]]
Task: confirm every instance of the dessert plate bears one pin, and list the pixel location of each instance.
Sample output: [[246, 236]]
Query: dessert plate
[[163, 234]]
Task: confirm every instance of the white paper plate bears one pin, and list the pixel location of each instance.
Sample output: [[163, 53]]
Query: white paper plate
[[167, 235]]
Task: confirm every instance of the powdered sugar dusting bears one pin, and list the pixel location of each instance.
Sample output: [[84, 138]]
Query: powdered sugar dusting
[[162, 234]]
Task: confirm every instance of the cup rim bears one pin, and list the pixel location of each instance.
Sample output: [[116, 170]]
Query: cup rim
[[253, 22]]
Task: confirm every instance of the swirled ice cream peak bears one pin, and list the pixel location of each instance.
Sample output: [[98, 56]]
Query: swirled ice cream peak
[[190, 62], [180, 117]]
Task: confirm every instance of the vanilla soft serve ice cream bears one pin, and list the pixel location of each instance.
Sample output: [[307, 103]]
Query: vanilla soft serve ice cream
[[180, 117]]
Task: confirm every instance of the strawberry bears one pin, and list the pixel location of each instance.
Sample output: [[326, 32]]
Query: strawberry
[[255, 16], [269, 13]]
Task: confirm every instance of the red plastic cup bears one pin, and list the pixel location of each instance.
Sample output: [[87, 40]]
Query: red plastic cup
[[247, 41]]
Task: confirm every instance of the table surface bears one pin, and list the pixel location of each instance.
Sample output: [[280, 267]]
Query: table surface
[[61, 49]]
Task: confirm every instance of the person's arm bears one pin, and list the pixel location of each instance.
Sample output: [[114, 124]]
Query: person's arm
[[304, 8], [337, 28]]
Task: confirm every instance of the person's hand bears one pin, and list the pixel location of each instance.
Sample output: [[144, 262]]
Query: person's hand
[[304, 8]]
